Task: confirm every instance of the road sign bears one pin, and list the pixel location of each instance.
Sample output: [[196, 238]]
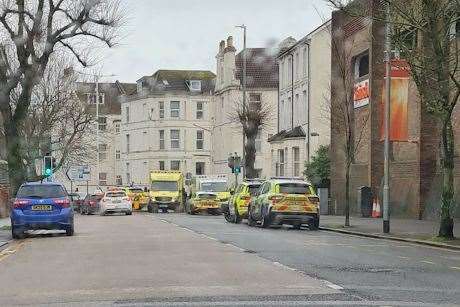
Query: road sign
[[79, 173]]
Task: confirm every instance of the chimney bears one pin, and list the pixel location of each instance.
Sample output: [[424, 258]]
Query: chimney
[[221, 46], [230, 41]]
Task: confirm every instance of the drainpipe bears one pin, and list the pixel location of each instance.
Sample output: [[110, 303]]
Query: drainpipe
[[308, 102], [292, 91]]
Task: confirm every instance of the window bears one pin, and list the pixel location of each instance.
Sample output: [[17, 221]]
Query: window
[[117, 155], [296, 161], [305, 62], [102, 123], [118, 180], [175, 109], [161, 165], [139, 86], [128, 173], [199, 168], [297, 66], [362, 65], [161, 107], [280, 162], [281, 73], [195, 85], [127, 143], [199, 110], [103, 179], [127, 114], [289, 70], [175, 165], [255, 101], [116, 123], [175, 139], [162, 139], [102, 150], [258, 141], [199, 139]]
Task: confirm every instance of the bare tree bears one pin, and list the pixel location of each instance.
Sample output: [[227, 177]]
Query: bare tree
[[31, 31], [343, 121], [57, 120], [425, 33], [253, 117]]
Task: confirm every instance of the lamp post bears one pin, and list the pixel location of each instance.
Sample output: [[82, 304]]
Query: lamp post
[[386, 171], [244, 90]]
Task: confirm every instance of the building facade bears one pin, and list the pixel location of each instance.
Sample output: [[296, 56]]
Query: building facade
[[303, 105], [167, 125], [107, 172], [262, 90], [415, 172]]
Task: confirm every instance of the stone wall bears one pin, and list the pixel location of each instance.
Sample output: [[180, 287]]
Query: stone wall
[[4, 189]]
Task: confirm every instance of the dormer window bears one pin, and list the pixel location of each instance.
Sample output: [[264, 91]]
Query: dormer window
[[195, 85]]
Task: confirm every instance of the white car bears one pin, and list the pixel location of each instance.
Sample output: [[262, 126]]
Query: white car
[[116, 202]]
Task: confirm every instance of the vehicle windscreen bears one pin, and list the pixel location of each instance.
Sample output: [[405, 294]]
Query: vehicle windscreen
[[207, 196], [214, 186], [253, 188], [41, 191], [136, 190], [115, 194], [164, 186], [294, 188]]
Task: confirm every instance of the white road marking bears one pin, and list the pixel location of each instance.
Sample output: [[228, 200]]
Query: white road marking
[[333, 286], [426, 261]]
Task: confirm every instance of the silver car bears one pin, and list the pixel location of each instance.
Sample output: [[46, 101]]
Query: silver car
[[116, 202]]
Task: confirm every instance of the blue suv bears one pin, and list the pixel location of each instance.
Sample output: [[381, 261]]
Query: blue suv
[[41, 206]]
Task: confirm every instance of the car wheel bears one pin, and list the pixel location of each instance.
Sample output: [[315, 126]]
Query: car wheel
[[297, 226], [154, 208], [237, 217], [69, 231], [313, 225], [251, 221], [266, 221], [17, 233], [228, 217], [128, 212]]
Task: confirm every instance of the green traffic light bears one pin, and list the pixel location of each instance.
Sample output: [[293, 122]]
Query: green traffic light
[[48, 172]]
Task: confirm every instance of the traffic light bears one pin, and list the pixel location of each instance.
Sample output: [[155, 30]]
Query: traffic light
[[231, 162], [48, 166]]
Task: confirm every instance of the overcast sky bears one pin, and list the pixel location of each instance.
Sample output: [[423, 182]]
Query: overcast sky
[[184, 34]]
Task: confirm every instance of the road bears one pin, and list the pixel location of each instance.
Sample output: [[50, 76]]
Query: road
[[176, 259]]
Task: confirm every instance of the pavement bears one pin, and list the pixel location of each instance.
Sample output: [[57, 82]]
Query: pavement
[[411, 230], [5, 232], [182, 260]]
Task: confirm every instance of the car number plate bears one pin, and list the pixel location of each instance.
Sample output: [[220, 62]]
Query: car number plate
[[116, 201], [42, 207]]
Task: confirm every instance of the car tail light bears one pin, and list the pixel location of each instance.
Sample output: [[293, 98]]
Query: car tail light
[[20, 203], [314, 199], [63, 202], [276, 198]]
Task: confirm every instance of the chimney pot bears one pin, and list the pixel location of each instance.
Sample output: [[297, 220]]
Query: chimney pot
[[221, 46], [230, 41]]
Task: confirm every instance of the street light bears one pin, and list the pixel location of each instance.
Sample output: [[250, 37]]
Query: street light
[[243, 26]]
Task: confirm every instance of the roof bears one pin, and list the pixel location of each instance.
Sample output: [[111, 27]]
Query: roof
[[113, 93], [261, 68], [297, 132], [177, 80], [42, 183]]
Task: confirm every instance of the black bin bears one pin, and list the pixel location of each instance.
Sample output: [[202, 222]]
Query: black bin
[[365, 201]]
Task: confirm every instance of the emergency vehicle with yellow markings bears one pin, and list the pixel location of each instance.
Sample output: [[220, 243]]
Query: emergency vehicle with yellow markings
[[285, 201]]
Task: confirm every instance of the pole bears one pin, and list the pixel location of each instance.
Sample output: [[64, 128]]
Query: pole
[[97, 126], [71, 186], [244, 96], [386, 174], [87, 187]]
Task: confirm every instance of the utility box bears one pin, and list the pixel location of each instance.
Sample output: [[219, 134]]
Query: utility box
[[323, 194], [365, 201]]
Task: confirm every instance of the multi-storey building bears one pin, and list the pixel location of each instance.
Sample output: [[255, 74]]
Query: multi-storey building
[[167, 125], [107, 172], [415, 170], [262, 89], [303, 120]]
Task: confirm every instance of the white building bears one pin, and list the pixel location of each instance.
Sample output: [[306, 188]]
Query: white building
[[167, 125], [304, 91], [262, 88], [108, 173]]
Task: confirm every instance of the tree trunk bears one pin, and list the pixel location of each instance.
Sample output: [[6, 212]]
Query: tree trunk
[[347, 195], [446, 227], [16, 169], [250, 156]]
